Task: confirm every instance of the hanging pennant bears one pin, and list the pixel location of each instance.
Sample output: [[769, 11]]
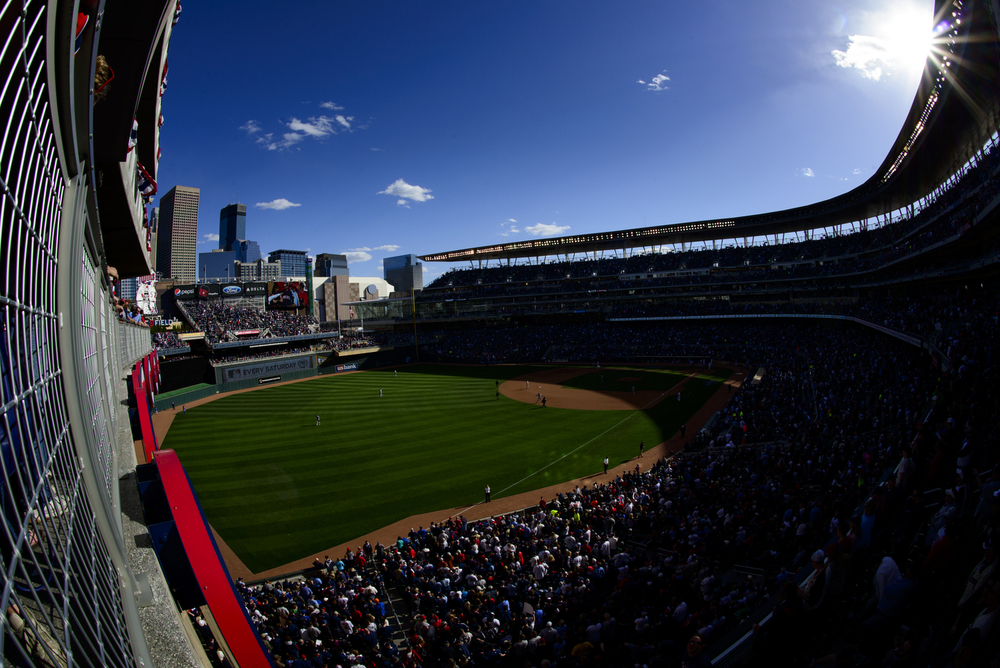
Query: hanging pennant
[[133, 136], [81, 24], [146, 184], [163, 80]]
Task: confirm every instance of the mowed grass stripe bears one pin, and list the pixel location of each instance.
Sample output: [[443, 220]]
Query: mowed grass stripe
[[277, 487]]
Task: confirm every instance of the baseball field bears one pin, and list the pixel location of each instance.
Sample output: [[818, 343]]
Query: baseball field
[[392, 444]]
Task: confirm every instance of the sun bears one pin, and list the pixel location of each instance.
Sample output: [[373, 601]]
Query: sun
[[893, 42], [908, 34]]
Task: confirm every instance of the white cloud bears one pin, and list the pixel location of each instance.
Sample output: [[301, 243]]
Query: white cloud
[[279, 204], [333, 106], [868, 54], [808, 172], [211, 237], [510, 228], [357, 256], [401, 188], [546, 229], [378, 150], [315, 127], [658, 83], [385, 247], [856, 172], [288, 139]]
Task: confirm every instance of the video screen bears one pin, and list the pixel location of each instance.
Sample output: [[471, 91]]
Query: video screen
[[289, 295]]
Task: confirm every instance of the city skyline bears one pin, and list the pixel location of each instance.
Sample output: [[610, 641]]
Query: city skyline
[[382, 130]]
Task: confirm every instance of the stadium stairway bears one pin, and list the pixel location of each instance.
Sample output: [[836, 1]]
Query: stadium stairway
[[395, 605]]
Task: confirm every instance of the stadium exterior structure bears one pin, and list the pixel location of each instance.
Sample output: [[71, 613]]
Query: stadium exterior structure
[[76, 561]]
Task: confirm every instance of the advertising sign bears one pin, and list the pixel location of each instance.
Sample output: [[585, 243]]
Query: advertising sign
[[353, 366], [232, 290], [255, 289], [211, 289], [185, 292], [264, 369]]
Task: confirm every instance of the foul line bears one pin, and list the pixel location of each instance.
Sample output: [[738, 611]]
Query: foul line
[[583, 445]]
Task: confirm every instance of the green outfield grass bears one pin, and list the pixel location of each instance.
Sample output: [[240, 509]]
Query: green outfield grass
[[278, 488]]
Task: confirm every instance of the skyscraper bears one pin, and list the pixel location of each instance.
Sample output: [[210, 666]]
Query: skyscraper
[[404, 272], [177, 236], [154, 226], [232, 225], [331, 264], [293, 262], [246, 250]]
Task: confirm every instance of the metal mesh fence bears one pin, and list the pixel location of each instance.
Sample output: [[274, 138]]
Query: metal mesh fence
[[60, 589]]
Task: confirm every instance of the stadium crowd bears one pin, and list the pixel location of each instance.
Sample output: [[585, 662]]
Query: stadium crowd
[[832, 467], [167, 340], [216, 319]]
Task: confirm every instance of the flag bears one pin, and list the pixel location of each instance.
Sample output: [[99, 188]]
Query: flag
[[177, 15], [159, 122], [149, 238], [133, 136], [146, 184]]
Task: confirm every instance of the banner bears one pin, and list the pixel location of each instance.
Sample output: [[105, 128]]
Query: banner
[[254, 371]]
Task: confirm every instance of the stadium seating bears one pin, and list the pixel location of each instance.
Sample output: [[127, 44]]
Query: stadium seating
[[626, 572]]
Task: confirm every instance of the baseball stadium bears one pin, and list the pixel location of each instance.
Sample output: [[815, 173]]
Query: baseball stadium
[[758, 440]]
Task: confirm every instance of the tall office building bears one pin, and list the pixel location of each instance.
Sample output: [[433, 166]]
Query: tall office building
[[331, 264], [154, 226], [217, 265], [232, 225], [246, 250], [177, 237], [258, 270], [293, 262], [404, 272]]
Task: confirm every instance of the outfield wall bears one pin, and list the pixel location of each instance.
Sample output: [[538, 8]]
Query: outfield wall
[[178, 374], [258, 373]]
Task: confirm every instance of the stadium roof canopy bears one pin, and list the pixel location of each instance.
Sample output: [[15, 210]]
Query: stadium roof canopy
[[954, 114]]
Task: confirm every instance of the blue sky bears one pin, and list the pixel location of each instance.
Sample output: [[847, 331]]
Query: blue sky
[[380, 128]]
